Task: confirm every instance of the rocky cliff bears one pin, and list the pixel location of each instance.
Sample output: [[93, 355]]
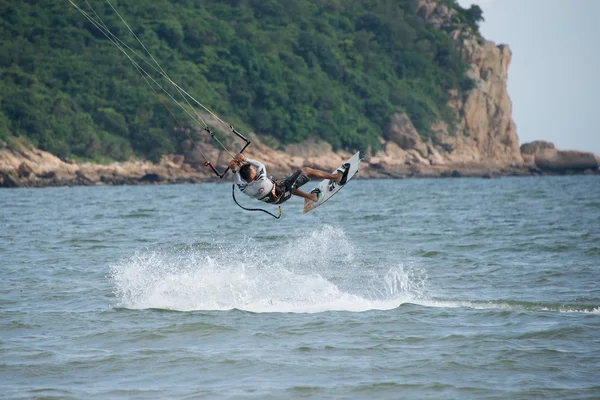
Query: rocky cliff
[[485, 136]]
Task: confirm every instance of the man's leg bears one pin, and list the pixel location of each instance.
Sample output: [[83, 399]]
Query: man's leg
[[317, 174], [309, 196]]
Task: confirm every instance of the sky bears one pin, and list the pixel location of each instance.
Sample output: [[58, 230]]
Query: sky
[[554, 75]]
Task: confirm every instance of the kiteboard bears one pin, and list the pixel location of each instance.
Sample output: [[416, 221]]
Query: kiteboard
[[328, 187]]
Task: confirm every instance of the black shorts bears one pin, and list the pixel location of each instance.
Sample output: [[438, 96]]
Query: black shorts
[[284, 188]]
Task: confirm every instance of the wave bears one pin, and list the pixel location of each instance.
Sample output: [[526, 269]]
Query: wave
[[512, 305], [316, 272]]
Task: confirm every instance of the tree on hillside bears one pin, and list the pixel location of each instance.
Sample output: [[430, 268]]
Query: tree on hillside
[[475, 14]]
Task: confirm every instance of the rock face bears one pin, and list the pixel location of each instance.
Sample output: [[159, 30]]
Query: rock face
[[485, 134], [486, 130]]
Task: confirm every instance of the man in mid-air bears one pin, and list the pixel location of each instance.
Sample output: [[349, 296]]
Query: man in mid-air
[[251, 177]]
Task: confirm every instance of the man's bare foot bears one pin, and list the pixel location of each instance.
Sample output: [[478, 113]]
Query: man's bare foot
[[339, 177], [314, 195]]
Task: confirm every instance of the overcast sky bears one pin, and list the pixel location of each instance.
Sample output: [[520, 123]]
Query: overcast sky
[[554, 76]]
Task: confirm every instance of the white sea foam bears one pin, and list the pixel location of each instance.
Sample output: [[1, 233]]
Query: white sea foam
[[318, 272]]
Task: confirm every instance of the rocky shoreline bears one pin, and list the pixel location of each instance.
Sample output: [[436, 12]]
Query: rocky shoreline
[[30, 167]]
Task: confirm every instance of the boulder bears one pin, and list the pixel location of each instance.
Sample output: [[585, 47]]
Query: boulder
[[178, 160], [24, 170], [401, 131], [532, 148], [9, 181], [564, 161], [152, 178], [394, 153]]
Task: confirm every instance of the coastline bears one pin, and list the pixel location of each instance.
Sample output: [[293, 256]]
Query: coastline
[[34, 168]]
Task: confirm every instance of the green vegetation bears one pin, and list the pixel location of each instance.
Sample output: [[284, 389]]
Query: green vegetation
[[334, 69], [470, 17]]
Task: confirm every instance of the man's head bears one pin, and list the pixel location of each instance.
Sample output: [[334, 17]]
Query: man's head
[[248, 172]]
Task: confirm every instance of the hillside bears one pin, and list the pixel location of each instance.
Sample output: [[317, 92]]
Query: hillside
[[287, 70]]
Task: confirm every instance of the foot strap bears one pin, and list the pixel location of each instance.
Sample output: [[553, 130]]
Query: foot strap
[[345, 174]]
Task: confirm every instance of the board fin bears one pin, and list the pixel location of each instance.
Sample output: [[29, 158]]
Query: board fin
[[309, 205]]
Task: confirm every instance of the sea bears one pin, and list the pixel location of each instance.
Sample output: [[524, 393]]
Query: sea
[[458, 288]]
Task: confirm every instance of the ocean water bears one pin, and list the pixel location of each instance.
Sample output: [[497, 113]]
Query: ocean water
[[395, 289]]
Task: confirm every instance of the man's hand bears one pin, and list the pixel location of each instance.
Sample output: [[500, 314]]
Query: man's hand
[[236, 162]]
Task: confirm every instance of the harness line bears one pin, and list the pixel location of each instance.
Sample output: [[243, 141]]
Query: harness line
[[254, 209], [122, 46], [179, 89], [196, 117]]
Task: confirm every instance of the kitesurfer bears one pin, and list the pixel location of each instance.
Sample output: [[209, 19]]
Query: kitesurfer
[[251, 178]]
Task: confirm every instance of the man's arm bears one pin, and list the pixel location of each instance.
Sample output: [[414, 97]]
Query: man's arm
[[234, 165], [237, 179], [239, 160], [261, 170]]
